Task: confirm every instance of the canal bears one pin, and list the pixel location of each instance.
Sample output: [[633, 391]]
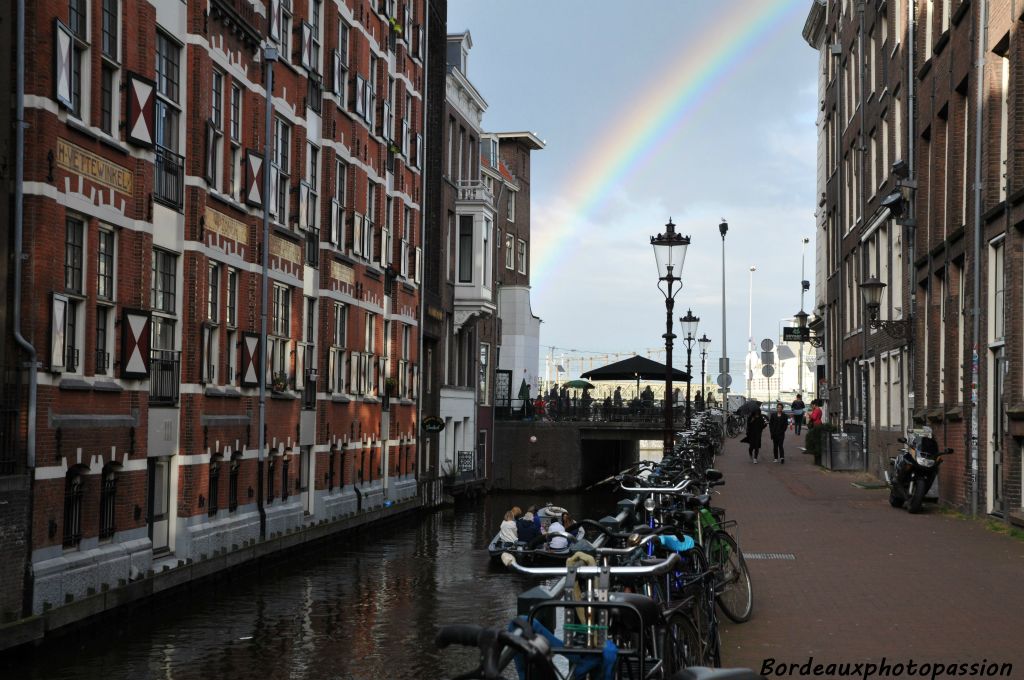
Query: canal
[[364, 606]]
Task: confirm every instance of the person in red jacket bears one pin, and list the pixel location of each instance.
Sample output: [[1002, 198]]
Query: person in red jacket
[[814, 420]]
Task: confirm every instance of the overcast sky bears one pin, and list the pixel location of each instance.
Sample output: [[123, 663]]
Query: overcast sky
[[689, 109]]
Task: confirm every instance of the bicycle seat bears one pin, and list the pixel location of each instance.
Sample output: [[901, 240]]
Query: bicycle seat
[[701, 501], [650, 611]]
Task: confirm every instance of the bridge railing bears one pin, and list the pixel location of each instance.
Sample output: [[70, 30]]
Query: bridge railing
[[579, 410]]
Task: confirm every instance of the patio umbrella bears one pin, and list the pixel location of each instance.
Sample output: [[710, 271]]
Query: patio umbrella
[[634, 368], [578, 385]]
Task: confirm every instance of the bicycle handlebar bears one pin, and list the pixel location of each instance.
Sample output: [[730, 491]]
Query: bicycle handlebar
[[668, 564], [681, 486]]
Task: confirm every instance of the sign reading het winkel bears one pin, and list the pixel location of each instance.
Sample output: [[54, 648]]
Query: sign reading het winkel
[[77, 160]]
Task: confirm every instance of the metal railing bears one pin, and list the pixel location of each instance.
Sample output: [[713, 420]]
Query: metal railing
[[578, 410], [164, 373], [168, 180], [475, 190]]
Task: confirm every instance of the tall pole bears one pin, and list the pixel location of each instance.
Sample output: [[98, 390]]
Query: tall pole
[[723, 228], [750, 330], [669, 335], [689, 349], [703, 386], [269, 56], [803, 277]]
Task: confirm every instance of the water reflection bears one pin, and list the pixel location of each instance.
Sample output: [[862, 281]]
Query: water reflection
[[364, 607]]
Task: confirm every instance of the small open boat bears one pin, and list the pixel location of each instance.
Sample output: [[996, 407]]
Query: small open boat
[[538, 551]]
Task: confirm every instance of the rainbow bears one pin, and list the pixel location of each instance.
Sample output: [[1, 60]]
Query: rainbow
[[673, 98]]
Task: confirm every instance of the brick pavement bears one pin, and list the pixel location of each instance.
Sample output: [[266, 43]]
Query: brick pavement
[[868, 581]]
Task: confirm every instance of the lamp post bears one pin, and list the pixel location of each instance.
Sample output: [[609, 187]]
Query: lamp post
[[804, 286], [704, 341], [723, 369], [751, 357], [689, 323], [669, 255]]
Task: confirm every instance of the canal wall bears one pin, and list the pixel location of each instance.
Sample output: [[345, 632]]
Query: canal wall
[[171, 578]]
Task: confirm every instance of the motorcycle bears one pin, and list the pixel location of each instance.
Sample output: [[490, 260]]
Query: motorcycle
[[912, 474]]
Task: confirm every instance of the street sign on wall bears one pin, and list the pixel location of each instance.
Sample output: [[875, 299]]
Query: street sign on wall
[[432, 424], [795, 334]]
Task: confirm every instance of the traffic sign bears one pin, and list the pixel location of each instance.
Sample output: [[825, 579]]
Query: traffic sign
[[724, 380], [723, 364], [767, 358], [767, 345], [768, 370]]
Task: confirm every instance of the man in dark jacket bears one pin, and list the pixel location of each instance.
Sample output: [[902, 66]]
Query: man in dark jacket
[[777, 425]]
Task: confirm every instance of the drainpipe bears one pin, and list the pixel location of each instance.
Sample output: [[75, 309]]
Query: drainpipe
[[864, 368], [418, 430], [981, 35], [908, 231], [19, 226]]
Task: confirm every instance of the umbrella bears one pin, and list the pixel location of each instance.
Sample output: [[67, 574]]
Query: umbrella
[[634, 368], [578, 385], [748, 407]]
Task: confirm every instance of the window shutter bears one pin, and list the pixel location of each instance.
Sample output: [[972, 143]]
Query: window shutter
[[58, 341], [354, 374], [141, 110], [275, 20], [332, 368], [272, 199], [63, 74], [135, 344], [254, 179], [360, 93], [336, 71], [336, 225], [249, 372], [211, 157], [307, 47], [304, 217], [300, 367], [357, 233]]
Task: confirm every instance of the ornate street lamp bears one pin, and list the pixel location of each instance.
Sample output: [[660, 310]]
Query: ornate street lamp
[[689, 323], [871, 290], [669, 255], [705, 342]]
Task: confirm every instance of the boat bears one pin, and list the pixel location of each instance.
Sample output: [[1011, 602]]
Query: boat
[[538, 551]]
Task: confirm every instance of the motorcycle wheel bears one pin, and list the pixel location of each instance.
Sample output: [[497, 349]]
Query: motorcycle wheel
[[895, 501], [917, 499]]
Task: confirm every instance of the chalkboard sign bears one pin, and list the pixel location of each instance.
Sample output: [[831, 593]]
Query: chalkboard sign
[[467, 461]]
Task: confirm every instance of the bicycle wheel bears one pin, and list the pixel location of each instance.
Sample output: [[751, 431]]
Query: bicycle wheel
[[683, 645], [732, 587], [694, 585]]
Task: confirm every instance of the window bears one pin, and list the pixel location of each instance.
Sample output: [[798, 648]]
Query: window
[[215, 133], [164, 362], [231, 321], [108, 502], [338, 207], [310, 194], [104, 293], [212, 291], [465, 249], [510, 251], [339, 355], [236, 139], [280, 171], [341, 62], [285, 24], [169, 177], [271, 468], [233, 483], [306, 356], [316, 7], [510, 211], [997, 312], [404, 244], [213, 491], [368, 229], [1004, 108], [73, 509], [485, 378], [78, 23], [281, 310], [73, 276], [522, 256]]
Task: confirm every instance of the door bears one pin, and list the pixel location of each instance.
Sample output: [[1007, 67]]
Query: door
[[998, 432], [305, 460], [159, 494]]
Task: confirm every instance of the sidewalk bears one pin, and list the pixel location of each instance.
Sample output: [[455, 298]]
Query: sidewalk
[[866, 581]]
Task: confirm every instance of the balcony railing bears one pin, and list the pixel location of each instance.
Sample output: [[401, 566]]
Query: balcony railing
[[168, 181], [474, 190], [164, 377]]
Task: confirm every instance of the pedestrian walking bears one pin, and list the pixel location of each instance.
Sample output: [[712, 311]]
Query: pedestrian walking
[[798, 413], [698, 401], [617, 398], [755, 426], [777, 425]]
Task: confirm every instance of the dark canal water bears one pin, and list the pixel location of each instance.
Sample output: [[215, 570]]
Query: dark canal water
[[364, 607]]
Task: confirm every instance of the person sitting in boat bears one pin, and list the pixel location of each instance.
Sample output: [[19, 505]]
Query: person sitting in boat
[[508, 533], [557, 542], [526, 529], [571, 527]]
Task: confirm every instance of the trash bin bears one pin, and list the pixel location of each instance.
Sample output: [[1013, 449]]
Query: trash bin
[[843, 453]]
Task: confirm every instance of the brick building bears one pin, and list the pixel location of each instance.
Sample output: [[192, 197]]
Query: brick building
[[945, 220], [146, 178]]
